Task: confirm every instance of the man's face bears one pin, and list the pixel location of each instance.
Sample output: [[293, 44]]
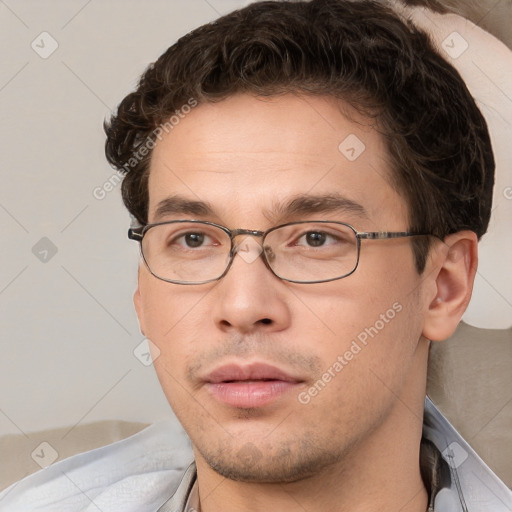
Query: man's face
[[273, 380]]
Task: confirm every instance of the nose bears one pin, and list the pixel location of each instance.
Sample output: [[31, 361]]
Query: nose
[[249, 297]]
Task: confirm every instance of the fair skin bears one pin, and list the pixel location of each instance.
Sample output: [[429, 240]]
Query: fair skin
[[355, 445]]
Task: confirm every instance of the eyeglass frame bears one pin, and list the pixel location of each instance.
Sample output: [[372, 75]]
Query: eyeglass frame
[[138, 233]]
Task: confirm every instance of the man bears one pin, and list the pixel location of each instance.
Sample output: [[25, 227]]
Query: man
[[309, 182]]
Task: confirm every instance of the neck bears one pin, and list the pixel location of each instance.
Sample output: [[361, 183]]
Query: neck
[[380, 473]]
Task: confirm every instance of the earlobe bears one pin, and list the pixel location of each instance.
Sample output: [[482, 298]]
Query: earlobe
[[455, 268], [137, 302]]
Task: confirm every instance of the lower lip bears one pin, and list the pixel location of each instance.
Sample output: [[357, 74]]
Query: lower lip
[[249, 394]]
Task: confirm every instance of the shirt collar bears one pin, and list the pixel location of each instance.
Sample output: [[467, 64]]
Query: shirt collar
[[454, 475]]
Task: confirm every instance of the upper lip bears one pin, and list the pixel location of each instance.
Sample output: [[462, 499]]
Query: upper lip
[[254, 371]]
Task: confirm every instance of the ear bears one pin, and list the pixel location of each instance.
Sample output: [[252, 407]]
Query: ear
[[137, 302], [455, 265]]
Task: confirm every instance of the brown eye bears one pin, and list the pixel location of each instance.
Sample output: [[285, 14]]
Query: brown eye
[[315, 239], [194, 239]]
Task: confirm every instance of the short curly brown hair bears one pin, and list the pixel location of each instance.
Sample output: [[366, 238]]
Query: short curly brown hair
[[359, 51]]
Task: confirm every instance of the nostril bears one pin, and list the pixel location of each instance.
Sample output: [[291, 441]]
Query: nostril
[[266, 321]]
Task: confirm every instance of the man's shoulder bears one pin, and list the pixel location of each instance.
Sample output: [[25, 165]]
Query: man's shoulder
[[134, 474], [466, 483]]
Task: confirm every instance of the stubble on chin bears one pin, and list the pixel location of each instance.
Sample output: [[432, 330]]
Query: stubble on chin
[[285, 462]]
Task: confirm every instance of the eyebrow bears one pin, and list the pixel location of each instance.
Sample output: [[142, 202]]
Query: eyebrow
[[306, 204], [177, 205]]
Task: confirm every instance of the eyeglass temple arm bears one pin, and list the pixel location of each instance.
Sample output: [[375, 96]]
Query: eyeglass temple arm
[[379, 235], [135, 233]]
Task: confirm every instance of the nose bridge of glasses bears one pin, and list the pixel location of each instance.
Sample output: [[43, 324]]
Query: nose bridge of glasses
[[236, 247], [251, 232], [246, 247]]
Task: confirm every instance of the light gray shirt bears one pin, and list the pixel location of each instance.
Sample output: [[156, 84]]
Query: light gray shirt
[[456, 478], [153, 471]]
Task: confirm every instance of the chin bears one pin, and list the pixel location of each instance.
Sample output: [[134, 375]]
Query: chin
[[252, 464]]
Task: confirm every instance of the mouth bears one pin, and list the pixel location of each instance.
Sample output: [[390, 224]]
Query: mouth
[[249, 386]]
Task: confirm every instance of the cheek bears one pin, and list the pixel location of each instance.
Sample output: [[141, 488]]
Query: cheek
[[174, 321], [367, 364], [173, 325], [372, 299], [373, 321], [164, 307]]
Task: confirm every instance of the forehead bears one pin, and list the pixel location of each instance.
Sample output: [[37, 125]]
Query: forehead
[[250, 157]]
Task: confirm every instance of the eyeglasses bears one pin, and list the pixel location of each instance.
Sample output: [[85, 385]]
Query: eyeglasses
[[199, 252]]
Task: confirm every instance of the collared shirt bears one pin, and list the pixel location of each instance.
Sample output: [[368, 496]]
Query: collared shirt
[[148, 472], [456, 479]]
